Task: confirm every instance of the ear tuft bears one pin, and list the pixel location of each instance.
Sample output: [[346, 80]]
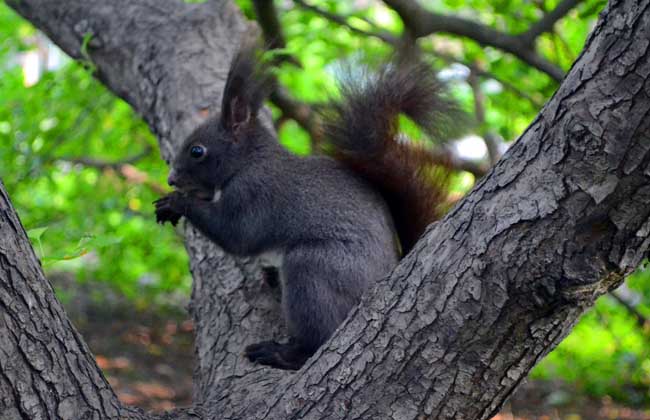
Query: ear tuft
[[247, 86]]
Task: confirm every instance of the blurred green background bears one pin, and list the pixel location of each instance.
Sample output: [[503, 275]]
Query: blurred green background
[[82, 169]]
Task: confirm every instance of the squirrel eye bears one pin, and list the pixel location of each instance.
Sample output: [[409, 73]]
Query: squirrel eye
[[197, 152]]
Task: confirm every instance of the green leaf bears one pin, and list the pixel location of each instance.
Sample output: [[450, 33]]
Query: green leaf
[[36, 233]]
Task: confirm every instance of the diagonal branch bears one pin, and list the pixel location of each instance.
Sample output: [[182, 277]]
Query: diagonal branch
[[472, 309], [103, 164], [421, 22], [477, 70], [124, 168], [343, 21], [641, 320], [546, 23], [300, 112]]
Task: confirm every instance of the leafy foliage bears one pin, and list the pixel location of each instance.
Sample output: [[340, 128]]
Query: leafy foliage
[[93, 221], [608, 352], [82, 169]]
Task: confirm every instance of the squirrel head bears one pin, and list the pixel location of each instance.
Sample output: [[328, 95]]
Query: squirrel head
[[219, 147]]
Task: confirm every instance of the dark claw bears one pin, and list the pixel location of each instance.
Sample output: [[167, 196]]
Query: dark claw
[[167, 216], [165, 212]]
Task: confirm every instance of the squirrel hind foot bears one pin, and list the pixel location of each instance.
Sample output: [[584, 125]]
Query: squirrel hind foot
[[289, 356]]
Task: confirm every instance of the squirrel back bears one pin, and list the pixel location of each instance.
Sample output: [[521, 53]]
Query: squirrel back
[[362, 129]]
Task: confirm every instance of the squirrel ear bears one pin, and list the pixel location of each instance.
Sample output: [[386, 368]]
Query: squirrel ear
[[247, 86], [239, 114]]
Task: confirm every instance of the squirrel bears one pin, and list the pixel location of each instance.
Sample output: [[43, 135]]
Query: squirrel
[[336, 224]]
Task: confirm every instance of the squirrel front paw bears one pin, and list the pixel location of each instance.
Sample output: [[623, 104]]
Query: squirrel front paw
[[170, 208]]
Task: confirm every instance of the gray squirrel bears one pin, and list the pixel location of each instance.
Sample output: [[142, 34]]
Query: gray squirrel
[[334, 224]]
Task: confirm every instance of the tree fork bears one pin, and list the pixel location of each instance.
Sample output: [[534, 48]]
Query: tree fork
[[486, 293]]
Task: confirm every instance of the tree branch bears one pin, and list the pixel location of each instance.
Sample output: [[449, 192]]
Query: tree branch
[[548, 21], [421, 22], [300, 112], [267, 18], [491, 139], [304, 114], [472, 309], [641, 320], [343, 21], [103, 165], [447, 157], [123, 167]]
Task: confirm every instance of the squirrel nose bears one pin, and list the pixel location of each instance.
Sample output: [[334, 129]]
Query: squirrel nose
[[172, 178]]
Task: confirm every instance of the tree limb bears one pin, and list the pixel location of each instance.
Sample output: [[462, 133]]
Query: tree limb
[[490, 139], [298, 111], [444, 156], [390, 39], [549, 20], [421, 22], [343, 21], [305, 115], [103, 164], [267, 18], [123, 168], [502, 279], [641, 320]]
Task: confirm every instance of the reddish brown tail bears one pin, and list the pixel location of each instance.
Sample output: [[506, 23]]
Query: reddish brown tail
[[363, 130]]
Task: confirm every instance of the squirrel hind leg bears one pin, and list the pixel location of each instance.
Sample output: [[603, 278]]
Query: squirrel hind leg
[[289, 356]]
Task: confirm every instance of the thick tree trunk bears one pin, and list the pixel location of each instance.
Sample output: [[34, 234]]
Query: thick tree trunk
[[488, 291]]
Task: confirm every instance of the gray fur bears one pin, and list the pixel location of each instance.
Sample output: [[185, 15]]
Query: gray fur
[[332, 231], [329, 229]]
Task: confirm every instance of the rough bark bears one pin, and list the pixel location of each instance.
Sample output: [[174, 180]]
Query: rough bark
[[46, 369], [41, 363], [488, 291]]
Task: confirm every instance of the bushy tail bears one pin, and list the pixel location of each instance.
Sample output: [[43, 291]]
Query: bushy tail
[[363, 131]]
